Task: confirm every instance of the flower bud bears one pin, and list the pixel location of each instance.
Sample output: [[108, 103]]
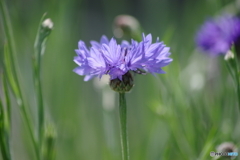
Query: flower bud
[[47, 23], [49, 148], [124, 85], [44, 31], [46, 28], [126, 25], [229, 55]]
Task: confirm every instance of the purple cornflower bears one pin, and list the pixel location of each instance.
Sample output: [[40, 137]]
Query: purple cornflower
[[216, 36], [108, 57]]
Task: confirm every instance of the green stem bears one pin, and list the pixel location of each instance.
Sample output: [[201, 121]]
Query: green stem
[[7, 26], [26, 118], [230, 70], [40, 113], [38, 88], [238, 86], [235, 77], [123, 124], [236, 71], [232, 66]]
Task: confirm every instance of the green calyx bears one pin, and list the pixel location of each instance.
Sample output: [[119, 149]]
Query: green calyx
[[122, 86]]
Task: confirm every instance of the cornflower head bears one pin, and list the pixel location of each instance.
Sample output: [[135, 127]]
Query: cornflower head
[[216, 36], [119, 60]]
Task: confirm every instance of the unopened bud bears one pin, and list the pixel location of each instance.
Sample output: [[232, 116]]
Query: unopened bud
[[126, 25], [229, 55], [124, 85], [49, 148], [47, 23], [44, 31]]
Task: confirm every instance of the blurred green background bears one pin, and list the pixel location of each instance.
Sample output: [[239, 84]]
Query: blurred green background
[[181, 115]]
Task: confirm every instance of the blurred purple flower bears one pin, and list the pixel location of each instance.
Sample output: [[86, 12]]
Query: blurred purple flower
[[216, 36], [108, 57]]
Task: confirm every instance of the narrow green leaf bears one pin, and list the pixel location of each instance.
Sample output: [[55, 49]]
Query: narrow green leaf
[[3, 147], [9, 71], [7, 98], [10, 65]]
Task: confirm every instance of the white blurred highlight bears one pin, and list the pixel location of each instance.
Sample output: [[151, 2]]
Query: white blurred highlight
[[101, 83], [196, 81], [108, 95], [108, 100]]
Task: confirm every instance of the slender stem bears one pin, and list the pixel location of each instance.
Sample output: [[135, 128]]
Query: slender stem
[[238, 91], [40, 113], [26, 118], [233, 68], [238, 86], [37, 82], [230, 70], [235, 77], [123, 124], [7, 26], [236, 70]]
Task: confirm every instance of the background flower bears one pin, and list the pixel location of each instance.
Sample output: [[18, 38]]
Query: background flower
[[216, 36]]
